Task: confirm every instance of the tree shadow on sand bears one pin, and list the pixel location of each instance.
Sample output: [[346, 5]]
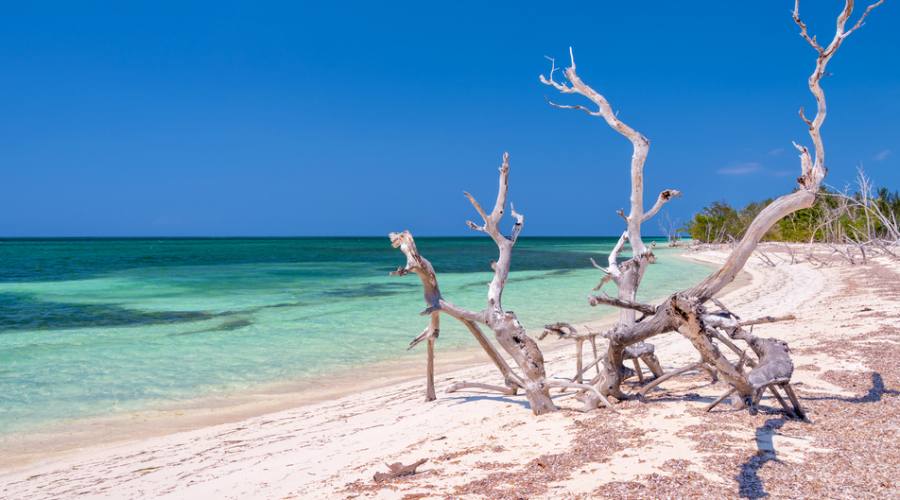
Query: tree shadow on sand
[[499, 398], [875, 393], [485, 397], [751, 486]]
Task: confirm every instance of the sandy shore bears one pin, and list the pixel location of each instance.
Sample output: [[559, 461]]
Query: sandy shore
[[60, 439], [845, 345]]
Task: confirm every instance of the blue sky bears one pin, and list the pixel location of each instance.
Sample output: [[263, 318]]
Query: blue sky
[[253, 118]]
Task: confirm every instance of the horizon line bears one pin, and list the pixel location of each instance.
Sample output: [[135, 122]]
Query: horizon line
[[248, 237]]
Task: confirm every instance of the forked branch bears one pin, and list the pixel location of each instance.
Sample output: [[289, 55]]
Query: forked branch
[[509, 332], [640, 144], [812, 166], [685, 311]]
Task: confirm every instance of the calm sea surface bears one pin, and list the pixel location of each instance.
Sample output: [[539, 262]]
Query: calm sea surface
[[92, 327]]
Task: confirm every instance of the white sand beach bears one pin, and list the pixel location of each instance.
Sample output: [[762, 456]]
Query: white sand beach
[[845, 346]]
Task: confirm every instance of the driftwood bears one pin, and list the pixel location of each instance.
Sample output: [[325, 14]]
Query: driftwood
[[422, 267], [685, 311], [773, 366], [639, 352], [625, 275], [644, 351], [458, 386], [721, 398], [700, 365], [508, 331], [569, 332], [397, 469]]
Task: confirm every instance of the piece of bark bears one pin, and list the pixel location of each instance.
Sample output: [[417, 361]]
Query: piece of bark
[[397, 469]]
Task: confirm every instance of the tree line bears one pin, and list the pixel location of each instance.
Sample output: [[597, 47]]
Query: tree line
[[864, 215]]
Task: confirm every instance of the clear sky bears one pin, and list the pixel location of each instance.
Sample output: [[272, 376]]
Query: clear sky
[[357, 118]]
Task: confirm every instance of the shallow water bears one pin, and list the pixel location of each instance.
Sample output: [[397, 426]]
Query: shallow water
[[92, 327]]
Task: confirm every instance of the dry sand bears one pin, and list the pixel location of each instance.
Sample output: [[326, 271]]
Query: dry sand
[[845, 345]]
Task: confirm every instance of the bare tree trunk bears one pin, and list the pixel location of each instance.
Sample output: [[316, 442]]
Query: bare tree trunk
[[429, 374], [434, 305], [508, 331], [684, 311], [627, 275]]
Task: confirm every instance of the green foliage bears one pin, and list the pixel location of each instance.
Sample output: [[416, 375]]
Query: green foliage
[[830, 217], [714, 223]]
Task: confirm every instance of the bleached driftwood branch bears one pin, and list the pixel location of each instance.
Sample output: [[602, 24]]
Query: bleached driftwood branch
[[685, 311], [626, 275], [435, 303], [508, 331]]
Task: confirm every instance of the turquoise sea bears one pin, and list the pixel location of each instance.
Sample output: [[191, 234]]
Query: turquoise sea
[[92, 327]]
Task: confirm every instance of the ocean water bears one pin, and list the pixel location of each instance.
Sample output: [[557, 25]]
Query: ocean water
[[92, 327]]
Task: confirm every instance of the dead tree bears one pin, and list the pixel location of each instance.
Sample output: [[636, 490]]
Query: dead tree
[[671, 228], [419, 265], [625, 275], [508, 331], [880, 230], [568, 332], [685, 311]]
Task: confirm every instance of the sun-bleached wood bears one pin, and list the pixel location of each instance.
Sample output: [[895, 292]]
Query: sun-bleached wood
[[625, 275], [508, 331], [641, 352], [674, 373], [685, 311], [435, 303]]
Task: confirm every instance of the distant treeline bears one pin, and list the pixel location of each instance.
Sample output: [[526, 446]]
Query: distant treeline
[[865, 215]]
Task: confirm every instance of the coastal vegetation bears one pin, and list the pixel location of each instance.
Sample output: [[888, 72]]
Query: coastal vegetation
[[865, 214]]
